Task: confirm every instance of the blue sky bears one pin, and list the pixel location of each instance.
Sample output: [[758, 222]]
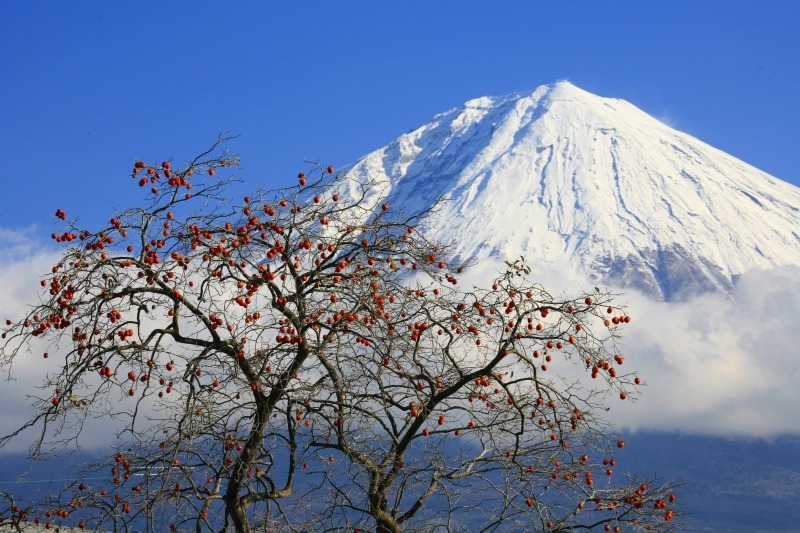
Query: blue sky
[[88, 87]]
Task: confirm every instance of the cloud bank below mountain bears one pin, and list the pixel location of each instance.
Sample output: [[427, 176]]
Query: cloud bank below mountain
[[712, 364]]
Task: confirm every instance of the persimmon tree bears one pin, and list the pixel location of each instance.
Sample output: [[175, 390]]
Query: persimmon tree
[[306, 359]]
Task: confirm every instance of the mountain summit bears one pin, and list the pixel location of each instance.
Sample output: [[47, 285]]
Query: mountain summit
[[562, 175]]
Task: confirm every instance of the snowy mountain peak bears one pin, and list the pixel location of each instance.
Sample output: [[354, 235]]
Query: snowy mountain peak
[[563, 176], [564, 90]]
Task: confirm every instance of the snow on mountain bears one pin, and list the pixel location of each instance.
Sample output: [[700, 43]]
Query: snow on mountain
[[564, 176]]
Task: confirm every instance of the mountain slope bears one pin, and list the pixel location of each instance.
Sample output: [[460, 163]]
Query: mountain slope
[[563, 176]]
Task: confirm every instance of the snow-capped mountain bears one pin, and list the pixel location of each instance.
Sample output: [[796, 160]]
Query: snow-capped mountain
[[562, 175]]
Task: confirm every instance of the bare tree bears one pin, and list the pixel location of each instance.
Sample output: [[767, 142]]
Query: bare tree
[[306, 360]]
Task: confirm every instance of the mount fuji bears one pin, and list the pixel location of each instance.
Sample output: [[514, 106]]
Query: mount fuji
[[563, 176]]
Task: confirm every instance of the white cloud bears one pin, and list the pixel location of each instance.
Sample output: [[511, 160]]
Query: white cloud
[[713, 365], [720, 365], [23, 258]]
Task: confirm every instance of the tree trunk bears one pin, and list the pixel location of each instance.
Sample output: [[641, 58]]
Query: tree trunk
[[386, 522], [235, 507], [238, 515]]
